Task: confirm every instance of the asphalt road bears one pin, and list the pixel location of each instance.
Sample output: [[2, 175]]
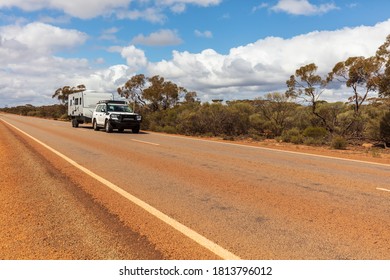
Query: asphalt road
[[184, 198]]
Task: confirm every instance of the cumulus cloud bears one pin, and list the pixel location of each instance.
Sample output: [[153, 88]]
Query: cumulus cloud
[[202, 3], [128, 9], [82, 9], [302, 7], [152, 14], [105, 80], [265, 65], [42, 37], [30, 71], [164, 37], [135, 58]]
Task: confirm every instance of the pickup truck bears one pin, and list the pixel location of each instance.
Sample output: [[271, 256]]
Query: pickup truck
[[115, 114]]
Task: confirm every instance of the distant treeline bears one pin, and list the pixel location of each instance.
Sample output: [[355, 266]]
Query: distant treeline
[[274, 117], [57, 111], [270, 117]]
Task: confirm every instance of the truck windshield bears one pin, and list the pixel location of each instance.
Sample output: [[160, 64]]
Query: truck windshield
[[119, 108]]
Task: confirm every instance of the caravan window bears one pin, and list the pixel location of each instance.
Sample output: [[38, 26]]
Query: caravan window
[[76, 101]]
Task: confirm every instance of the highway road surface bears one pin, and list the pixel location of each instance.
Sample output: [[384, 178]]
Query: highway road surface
[[76, 193]]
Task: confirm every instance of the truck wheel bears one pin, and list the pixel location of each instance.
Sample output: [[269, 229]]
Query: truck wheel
[[75, 123], [108, 127], [135, 130], [95, 127]]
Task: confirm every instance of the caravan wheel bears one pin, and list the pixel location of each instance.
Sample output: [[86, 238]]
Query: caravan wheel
[[75, 123]]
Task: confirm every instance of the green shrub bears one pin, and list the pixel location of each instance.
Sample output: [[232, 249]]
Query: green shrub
[[168, 129], [339, 143], [293, 135], [313, 141], [314, 135], [315, 132], [384, 128], [296, 139]]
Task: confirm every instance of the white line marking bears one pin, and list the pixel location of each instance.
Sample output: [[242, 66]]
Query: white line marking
[[200, 239], [274, 150], [145, 142], [381, 189]]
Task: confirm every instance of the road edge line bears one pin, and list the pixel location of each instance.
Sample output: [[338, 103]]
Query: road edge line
[[198, 238], [382, 189], [274, 150]]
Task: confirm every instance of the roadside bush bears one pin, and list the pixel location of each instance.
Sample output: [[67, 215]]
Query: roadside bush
[[293, 135], [384, 128], [168, 129], [339, 143], [314, 135], [315, 132]]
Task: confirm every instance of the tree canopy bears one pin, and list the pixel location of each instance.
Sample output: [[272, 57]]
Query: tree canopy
[[62, 93], [154, 92]]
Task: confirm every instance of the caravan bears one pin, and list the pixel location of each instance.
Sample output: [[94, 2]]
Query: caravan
[[82, 104]]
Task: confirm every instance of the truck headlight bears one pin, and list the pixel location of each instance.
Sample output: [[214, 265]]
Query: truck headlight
[[139, 118], [114, 117]]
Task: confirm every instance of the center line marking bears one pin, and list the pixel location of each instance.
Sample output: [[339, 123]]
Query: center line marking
[[381, 189], [144, 142], [198, 238]]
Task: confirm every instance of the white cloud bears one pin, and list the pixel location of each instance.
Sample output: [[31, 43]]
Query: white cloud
[[202, 3], [29, 72], [55, 20], [154, 15], [152, 10], [109, 34], [260, 7], [105, 80], [302, 7], [42, 37], [164, 37], [265, 65], [178, 8], [81, 9], [100, 60], [135, 58], [204, 34]]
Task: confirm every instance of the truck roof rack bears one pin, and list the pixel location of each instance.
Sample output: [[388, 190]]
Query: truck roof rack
[[112, 102]]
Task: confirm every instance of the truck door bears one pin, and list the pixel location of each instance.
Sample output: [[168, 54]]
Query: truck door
[[101, 114]]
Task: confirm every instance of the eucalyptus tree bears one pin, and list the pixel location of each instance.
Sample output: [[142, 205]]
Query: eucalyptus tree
[[162, 94], [383, 55], [133, 90], [361, 75], [307, 85], [62, 93]]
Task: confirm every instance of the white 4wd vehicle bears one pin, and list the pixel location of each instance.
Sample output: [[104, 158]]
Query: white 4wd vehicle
[[112, 114]]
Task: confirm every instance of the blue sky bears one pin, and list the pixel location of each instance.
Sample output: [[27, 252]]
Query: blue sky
[[225, 49]]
